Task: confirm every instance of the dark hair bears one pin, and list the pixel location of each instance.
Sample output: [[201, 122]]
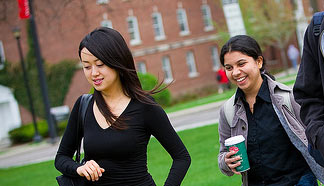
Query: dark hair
[[246, 45], [109, 46]]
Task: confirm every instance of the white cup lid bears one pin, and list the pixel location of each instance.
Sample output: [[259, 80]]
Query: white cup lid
[[234, 140]]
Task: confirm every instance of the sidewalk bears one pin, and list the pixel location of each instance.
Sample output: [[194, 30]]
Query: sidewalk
[[27, 154]]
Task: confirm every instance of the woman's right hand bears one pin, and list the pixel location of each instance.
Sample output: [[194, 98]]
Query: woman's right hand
[[91, 170], [230, 161]]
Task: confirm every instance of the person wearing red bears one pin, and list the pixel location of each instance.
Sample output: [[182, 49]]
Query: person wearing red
[[222, 80]]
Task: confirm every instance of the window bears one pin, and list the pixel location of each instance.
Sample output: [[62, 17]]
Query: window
[[106, 23], [166, 67], [2, 56], [233, 16], [191, 64], [183, 23], [158, 26], [215, 58], [133, 30], [141, 67], [205, 10], [100, 2]]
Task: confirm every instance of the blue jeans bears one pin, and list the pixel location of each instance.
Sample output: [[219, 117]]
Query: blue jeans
[[308, 179], [294, 63]]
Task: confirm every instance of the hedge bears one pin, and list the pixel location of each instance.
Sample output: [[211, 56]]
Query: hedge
[[26, 132], [58, 78], [148, 82]]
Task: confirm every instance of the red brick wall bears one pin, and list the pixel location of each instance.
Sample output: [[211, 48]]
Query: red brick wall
[[61, 26]]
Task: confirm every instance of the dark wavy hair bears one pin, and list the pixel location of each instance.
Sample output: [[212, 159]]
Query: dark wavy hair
[[246, 45], [109, 46]]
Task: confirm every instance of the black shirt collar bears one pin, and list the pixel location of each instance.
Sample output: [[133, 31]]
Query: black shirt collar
[[263, 93]]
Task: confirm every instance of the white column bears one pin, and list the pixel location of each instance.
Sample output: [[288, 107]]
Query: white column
[[233, 17], [301, 23]]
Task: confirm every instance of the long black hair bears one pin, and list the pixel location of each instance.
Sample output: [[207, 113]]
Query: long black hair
[[246, 45], [109, 46]]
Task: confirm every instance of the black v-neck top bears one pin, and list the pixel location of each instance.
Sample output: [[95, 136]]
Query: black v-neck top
[[123, 153]]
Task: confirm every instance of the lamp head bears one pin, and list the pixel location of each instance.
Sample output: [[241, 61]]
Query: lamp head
[[16, 31]]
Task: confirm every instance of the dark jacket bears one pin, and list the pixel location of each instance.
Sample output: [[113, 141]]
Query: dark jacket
[[309, 87]]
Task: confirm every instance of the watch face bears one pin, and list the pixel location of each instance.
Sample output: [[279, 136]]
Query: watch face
[[322, 43]]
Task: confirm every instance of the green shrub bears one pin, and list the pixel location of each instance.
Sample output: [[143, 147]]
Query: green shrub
[[148, 82], [26, 132], [58, 79], [61, 127]]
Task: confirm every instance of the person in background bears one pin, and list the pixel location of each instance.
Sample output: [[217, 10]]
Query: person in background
[[222, 80], [274, 134], [119, 121], [293, 55]]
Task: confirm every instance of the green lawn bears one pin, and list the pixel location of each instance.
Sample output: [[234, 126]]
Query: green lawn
[[202, 144]]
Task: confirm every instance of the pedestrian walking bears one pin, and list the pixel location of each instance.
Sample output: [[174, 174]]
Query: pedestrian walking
[[222, 80], [274, 135], [119, 121], [293, 55]]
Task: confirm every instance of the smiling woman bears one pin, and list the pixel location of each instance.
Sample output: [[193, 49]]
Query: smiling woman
[[119, 121], [277, 155]]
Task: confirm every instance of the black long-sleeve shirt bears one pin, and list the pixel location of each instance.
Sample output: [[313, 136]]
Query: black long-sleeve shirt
[[123, 153]]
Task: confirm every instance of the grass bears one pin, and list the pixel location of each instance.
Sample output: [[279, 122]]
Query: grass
[[202, 144]]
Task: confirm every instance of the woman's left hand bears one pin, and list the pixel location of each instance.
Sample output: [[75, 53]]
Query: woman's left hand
[[91, 170]]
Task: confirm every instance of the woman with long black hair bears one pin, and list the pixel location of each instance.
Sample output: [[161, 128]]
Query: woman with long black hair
[[119, 122]]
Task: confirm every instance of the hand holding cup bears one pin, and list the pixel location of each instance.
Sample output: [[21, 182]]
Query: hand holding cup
[[232, 161], [236, 159]]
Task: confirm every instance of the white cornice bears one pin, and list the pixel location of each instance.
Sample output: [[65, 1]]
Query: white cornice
[[174, 45]]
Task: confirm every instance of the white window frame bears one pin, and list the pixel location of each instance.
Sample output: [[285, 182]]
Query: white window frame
[[101, 2], [215, 58], [141, 67], [166, 67], [190, 58], [158, 26], [207, 18], [106, 23], [2, 56], [183, 22], [133, 31]]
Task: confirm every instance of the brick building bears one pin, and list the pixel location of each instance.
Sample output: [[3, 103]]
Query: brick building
[[172, 39]]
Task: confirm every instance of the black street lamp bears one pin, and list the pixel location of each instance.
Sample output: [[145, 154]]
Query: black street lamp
[[16, 32], [41, 75]]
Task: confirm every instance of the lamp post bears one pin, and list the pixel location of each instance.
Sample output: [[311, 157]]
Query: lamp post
[[41, 75], [16, 32]]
